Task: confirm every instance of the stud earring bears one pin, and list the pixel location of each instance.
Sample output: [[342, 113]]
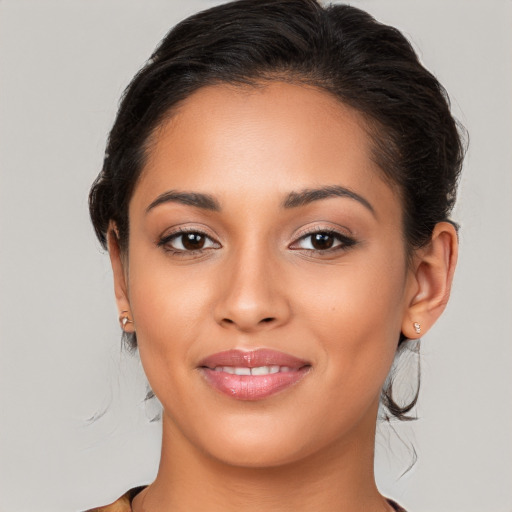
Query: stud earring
[[124, 319], [417, 327]]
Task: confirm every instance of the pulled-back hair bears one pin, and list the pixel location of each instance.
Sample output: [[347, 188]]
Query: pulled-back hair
[[366, 65]]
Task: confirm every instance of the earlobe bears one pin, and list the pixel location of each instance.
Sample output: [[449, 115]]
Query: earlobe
[[433, 275], [120, 279]]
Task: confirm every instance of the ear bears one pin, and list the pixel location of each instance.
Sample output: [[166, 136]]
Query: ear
[[431, 281], [120, 271]]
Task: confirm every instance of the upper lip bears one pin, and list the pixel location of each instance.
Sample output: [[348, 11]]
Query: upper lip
[[252, 359]]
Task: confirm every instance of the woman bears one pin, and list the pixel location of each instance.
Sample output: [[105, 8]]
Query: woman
[[275, 200]]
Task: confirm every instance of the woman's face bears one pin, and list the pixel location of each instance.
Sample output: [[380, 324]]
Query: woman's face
[[261, 222]]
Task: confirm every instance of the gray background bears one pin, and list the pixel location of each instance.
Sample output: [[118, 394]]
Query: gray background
[[63, 66]]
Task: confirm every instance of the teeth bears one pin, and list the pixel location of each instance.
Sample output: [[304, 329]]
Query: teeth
[[239, 371], [259, 370]]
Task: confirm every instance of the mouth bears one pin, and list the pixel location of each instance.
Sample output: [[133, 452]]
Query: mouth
[[258, 370], [252, 375]]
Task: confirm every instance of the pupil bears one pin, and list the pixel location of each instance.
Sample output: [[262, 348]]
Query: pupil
[[322, 241], [192, 241]]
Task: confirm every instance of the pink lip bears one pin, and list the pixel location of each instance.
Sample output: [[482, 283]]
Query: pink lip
[[252, 387]]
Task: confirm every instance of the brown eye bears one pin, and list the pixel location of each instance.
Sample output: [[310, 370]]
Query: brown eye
[[187, 241], [193, 241], [322, 241]]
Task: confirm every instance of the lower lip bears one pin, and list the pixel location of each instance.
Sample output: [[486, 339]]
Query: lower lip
[[253, 387]]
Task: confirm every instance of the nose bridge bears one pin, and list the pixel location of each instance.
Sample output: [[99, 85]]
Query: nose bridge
[[251, 296]]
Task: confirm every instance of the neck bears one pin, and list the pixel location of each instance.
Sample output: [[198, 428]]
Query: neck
[[340, 478]]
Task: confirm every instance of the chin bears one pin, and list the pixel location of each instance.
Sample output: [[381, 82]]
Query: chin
[[257, 454], [258, 442]]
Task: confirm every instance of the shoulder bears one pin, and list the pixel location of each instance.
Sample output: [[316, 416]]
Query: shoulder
[[396, 506], [122, 504]]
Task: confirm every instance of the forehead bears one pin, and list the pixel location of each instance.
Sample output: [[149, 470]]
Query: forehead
[[261, 140]]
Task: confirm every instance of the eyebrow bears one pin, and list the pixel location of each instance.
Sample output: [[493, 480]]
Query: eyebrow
[[307, 196], [204, 201], [292, 200]]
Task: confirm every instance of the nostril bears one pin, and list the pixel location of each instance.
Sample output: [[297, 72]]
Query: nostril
[[248, 323]]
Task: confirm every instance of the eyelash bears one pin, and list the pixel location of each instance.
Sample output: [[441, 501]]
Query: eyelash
[[165, 241], [346, 242]]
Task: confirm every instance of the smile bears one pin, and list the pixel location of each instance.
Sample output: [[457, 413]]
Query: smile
[[259, 370], [253, 375]]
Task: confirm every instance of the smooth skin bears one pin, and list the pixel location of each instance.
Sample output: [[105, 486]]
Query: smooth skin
[[258, 278]]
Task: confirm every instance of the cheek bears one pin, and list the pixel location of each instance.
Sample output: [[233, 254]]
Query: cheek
[[168, 306], [356, 315]]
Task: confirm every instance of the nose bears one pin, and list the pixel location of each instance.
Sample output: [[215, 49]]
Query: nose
[[251, 296]]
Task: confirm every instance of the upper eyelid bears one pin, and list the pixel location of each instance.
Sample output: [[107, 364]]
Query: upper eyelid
[[344, 239], [185, 229], [323, 229], [165, 243]]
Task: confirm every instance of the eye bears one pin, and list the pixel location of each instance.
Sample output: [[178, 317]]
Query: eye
[[187, 241], [323, 241]]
